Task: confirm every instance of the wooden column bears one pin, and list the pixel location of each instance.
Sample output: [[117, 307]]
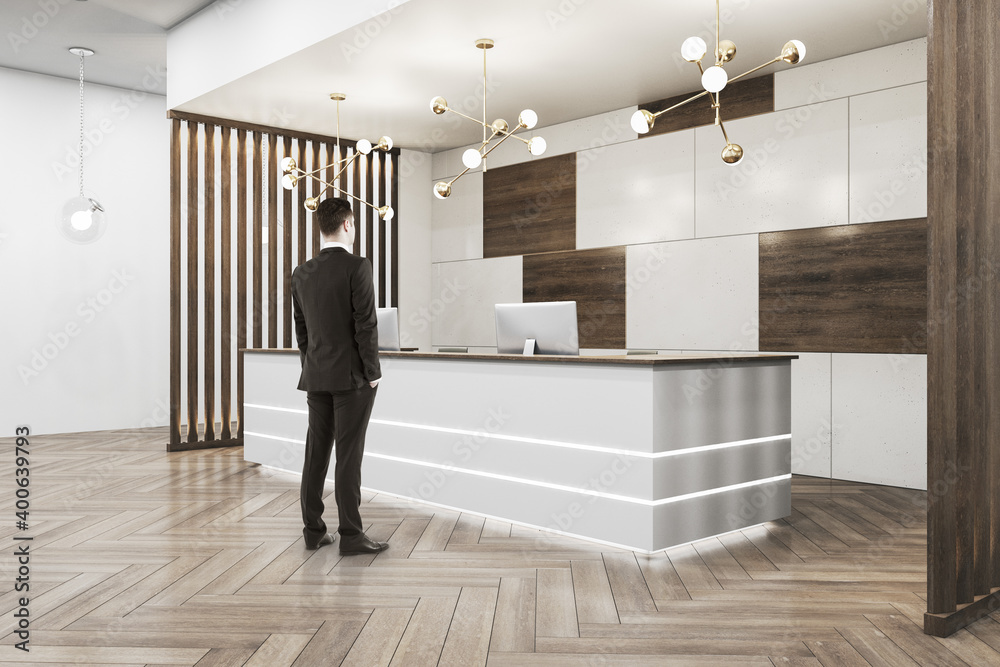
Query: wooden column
[[225, 322], [192, 284], [175, 284], [272, 240], [963, 364], [209, 292]]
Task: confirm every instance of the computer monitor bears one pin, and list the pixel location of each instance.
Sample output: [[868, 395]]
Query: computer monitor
[[388, 329], [552, 324]]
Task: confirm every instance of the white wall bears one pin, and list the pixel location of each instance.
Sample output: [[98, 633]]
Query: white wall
[[414, 250], [846, 145], [85, 326]]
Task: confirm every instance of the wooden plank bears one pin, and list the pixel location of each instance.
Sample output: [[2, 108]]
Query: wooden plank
[[175, 284], [355, 172], [209, 294], [317, 191], [628, 583], [330, 644], [257, 127], [192, 283], [747, 97], [426, 632], [595, 279], [279, 649], [556, 609], [272, 240], [379, 638], [514, 621], [850, 288], [393, 166], [241, 270], [256, 251], [286, 259], [226, 305], [595, 603], [468, 640], [380, 176], [303, 214], [367, 219], [530, 207]]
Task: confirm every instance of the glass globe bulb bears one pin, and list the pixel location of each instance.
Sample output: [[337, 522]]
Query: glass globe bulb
[[714, 79], [536, 146], [385, 144], [288, 164], [732, 154], [693, 49], [386, 212], [364, 146], [439, 105], [471, 158], [793, 52], [288, 181], [642, 121], [82, 220], [528, 118]]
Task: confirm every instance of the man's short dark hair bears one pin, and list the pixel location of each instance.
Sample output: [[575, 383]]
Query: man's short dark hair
[[331, 213]]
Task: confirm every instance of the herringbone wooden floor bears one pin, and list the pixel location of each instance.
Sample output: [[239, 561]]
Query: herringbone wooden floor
[[141, 557]]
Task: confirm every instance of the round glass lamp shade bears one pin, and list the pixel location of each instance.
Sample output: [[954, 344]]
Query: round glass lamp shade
[[528, 118], [442, 189], [793, 52], [536, 146], [732, 154], [288, 181], [471, 158], [385, 144], [386, 212], [642, 121], [693, 49], [714, 79], [82, 220], [288, 164], [364, 146]]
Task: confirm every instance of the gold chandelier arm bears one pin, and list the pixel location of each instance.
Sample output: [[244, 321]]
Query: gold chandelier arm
[[725, 135], [474, 120], [506, 136], [718, 41], [759, 67], [346, 165], [342, 191], [680, 104], [464, 172]]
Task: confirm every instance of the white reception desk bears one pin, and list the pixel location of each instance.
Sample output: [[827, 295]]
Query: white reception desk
[[644, 452]]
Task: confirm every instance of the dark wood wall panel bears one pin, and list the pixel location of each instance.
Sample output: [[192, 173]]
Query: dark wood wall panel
[[595, 279], [963, 355], [530, 207], [747, 97], [220, 222], [851, 288]]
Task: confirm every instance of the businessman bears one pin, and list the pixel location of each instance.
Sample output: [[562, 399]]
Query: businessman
[[336, 329]]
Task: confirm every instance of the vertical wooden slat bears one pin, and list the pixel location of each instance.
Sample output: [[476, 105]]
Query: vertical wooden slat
[[317, 191], [301, 212], [355, 173], [175, 284], [225, 316], [365, 211], [942, 279], [258, 240], [332, 163], [272, 240], [380, 177], [209, 200], [241, 270], [286, 259], [393, 163], [192, 280], [992, 184]]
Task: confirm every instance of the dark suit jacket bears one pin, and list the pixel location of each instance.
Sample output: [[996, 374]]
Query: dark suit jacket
[[333, 296]]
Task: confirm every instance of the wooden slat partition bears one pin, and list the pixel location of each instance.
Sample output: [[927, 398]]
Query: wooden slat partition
[[286, 257], [192, 282], [963, 356], [357, 193], [272, 240], [208, 244], [394, 246], [225, 314], [258, 238], [209, 200], [175, 282]]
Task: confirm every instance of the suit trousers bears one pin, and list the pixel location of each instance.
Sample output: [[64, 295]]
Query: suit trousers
[[339, 418]]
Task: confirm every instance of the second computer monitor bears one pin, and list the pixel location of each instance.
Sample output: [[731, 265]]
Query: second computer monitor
[[388, 329], [552, 324]]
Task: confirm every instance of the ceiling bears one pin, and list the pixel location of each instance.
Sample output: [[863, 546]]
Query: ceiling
[[129, 38], [566, 59]]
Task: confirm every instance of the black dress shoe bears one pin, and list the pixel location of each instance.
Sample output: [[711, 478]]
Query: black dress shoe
[[323, 541], [361, 544]]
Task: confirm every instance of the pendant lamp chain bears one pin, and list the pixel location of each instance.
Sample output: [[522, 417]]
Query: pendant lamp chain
[[81, 123]]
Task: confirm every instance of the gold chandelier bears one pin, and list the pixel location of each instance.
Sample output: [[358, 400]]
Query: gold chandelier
[[473, 157], [714, 79], [292, 173]]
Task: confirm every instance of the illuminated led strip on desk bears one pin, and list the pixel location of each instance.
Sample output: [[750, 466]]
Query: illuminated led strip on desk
[[614, 452]]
